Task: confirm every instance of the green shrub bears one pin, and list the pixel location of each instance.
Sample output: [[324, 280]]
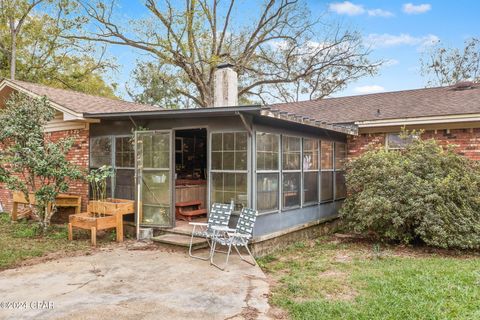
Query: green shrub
[[420, 193]]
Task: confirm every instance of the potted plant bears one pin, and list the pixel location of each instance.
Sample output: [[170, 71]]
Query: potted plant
[[100, 205]]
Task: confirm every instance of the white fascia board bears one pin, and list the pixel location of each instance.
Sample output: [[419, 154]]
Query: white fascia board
[[418, 120], [78, 116]]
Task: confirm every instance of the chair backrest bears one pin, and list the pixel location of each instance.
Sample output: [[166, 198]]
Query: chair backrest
[[246, 221], [219, 215]]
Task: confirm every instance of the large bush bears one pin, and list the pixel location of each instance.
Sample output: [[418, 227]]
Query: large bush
[[421, 193]]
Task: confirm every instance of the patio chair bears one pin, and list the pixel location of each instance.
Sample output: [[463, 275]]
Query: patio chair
[[219, 217], [235, 238]]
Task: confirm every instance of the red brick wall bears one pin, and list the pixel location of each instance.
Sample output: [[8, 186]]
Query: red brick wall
[[467, 141], [77, 155], [356, 145]]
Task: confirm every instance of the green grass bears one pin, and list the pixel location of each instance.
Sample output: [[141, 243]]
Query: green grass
[[24, 240], [331, 279]]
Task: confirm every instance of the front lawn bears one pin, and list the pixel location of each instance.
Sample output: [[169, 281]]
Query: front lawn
[[23, 241], [337, 278]]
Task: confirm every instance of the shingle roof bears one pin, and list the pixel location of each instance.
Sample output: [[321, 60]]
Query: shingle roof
[[438, 101], [81, 102]]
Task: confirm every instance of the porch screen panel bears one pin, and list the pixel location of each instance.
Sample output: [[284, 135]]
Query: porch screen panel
[[310, 170], [124, 180], [291, 171], [154, 167], [267, 161], [101, 155], [340, 159], [326, 172], [229, 168]]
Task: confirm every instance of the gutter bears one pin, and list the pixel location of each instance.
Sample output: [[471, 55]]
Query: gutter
[[418, 121], [174, 112]]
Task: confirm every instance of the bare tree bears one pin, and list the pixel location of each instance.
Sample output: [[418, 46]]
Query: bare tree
[[443, 66], [278, 55]]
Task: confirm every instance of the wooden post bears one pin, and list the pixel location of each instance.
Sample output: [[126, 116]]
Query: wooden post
[[14, 211], [70, 232], [94, 236], [119, 228]]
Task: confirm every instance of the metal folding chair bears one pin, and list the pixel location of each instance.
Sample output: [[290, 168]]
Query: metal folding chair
[[219, 216], [235, 238]]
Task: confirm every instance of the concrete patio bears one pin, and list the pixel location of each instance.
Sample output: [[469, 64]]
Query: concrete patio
[[135, 284]]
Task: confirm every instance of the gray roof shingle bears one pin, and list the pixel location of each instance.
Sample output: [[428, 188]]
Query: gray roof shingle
[[438, 101]]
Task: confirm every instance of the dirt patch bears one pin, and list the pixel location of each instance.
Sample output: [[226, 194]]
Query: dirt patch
[[342, 257], [277, 313]]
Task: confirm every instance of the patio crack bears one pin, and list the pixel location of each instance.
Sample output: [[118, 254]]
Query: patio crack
[[248, 312]]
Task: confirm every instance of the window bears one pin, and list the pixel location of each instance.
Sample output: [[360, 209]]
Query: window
[[267, 151], [117, 152], [124, 152], [340, 159], [124, 180], [310, 170], [100, 151], [267, 155], [291, 171], [326, 175], [291, 153], [229, 168], [396, 141]]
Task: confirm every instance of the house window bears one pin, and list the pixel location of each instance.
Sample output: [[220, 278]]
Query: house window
[[291, 171], [229, 168], [310, 170], [267, 160], [124, 182], [340, 159], [326, 173], [397, 141]]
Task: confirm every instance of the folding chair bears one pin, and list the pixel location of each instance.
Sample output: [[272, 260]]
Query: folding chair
[[235, 238], [219, 217]]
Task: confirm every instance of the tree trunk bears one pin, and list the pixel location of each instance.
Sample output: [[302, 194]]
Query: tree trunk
[[13, 56]]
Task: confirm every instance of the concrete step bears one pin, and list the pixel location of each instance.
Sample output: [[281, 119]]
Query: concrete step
[[180, 240]]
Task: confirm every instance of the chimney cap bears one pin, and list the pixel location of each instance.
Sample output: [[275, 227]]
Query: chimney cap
[[224, 65]]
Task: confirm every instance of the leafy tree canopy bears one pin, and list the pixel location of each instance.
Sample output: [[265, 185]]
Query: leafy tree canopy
[[32, 40]]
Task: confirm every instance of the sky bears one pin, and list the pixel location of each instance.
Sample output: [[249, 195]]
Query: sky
[[398, 32]]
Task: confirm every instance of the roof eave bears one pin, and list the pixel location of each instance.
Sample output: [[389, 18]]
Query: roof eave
[[418, 120], [73, 114]]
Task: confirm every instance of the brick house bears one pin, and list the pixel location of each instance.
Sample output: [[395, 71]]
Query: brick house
[[284, 160], [69, 122], [451, 115]]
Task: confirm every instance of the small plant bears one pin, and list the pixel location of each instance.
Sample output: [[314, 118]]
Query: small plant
[[97, 178], [377, 251]]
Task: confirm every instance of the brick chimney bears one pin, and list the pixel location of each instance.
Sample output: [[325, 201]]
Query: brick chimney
[[225, 86]]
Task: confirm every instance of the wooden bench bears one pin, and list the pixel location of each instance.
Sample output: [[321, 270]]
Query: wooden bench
[[62, 200], [189, 209]]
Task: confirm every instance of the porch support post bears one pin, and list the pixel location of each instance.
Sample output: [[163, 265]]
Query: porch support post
[[245, 123]]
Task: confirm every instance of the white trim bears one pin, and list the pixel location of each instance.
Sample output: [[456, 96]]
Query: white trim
[[419, 120]]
